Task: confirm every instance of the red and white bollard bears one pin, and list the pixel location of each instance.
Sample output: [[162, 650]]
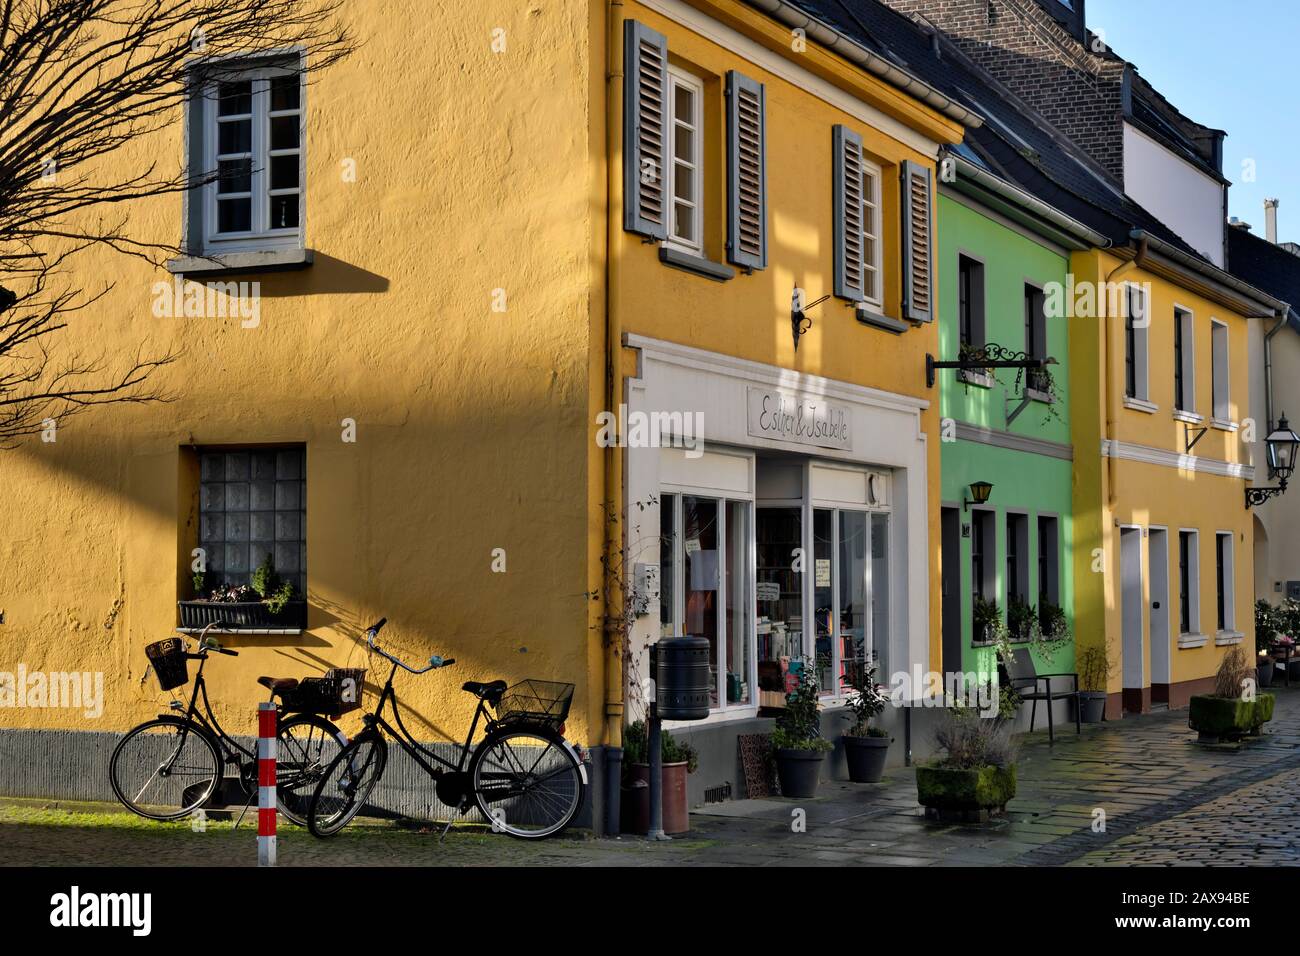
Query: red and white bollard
[[267, 721]]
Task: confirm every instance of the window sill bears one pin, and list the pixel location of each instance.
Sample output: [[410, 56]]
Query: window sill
[[268, 260], [1189, 641], [236, 631], [978, 379], [1141, 405], [1223, 425], [696, 264], [869, 316], [1224, 638], [1190, 418]]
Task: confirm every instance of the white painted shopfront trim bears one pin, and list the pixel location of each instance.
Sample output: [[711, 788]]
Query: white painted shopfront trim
[[883, 466], [1146, 454]]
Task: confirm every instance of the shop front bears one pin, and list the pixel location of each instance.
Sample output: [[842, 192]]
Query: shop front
[[792, 534]]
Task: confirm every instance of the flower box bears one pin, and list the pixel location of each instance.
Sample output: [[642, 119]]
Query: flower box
[[1229, 718], [242, 615]]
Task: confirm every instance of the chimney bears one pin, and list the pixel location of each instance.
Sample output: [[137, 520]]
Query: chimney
[[1270, 220]]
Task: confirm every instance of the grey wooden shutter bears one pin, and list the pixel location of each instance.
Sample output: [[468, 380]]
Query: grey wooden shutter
[[645, 120], [917, 237], [848, 213], [746, 173]]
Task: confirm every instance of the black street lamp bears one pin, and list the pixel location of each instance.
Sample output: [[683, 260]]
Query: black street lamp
[[1282, 443]]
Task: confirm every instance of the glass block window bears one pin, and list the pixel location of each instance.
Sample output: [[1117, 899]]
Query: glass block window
[[253, 502]]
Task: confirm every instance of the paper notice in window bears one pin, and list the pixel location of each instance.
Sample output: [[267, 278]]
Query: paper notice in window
[[823, 573]]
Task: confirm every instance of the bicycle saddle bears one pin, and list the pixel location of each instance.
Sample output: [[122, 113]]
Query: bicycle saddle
[[491, 691], [278, 684]]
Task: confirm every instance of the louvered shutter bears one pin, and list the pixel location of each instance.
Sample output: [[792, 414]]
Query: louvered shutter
[[848, 213], [746, 173], [645, 119], [917, 229]]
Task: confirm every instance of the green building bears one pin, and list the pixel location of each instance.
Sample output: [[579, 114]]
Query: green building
[[998, 257]]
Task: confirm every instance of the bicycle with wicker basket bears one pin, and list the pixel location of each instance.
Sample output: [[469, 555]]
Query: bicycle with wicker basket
[[168, 767], [524, 777]]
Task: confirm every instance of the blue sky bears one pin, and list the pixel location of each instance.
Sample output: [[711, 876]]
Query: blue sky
[[1230, 65]]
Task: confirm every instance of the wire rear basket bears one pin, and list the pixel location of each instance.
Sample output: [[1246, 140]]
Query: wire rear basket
[[335, 693], [169, 662], [536, 702]]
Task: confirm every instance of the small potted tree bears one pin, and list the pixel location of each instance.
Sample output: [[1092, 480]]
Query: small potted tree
[[1234, 710], [973, 775], [797, 743], [679, 760], [865, 747], [1094, 669]]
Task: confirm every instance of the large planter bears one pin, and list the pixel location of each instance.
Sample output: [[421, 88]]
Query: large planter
[[1228, 718], [965, 796], [798, 771], [636, 799], [865, 757], [1264, 673], [237, 615], [1092, 706]]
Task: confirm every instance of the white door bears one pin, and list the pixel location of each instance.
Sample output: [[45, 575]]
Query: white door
[[1158, 563], [1131, 607]]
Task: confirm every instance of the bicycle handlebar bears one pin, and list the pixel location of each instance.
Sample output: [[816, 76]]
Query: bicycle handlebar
[[434, 662]]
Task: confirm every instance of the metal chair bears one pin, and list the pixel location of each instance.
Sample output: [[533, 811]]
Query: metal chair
[[1025, 680]]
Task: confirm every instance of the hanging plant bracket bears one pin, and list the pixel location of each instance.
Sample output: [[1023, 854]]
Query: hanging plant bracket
[[987, 356]]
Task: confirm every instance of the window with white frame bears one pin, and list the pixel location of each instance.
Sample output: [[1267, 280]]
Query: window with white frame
[[1184, 362], [1189, 573], [1223, 578], [872, 287], [1136, 324], [1221, 409], [685, 149], [251, 142]]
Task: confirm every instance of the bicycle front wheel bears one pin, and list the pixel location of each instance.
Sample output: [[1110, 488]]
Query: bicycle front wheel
[[164, 769], [346, 784], [527, 782], [307, 744]]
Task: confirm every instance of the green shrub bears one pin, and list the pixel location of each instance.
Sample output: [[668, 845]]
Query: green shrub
[[636, 748], [966, 741]]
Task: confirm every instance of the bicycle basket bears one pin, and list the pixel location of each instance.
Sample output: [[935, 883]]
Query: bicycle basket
[[169, 663], [336, 693], [535, 702]]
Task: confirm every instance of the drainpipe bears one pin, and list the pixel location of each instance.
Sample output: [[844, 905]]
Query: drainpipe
[[612, 643], [1270, 233], [1108, 375]]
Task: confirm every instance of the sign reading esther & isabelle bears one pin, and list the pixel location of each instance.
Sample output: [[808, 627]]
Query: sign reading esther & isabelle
[[809, 421]]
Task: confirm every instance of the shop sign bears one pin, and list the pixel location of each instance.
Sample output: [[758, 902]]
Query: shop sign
[[806, 421]]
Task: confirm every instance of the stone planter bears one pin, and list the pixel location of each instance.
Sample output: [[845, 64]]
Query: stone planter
[[1092, 706], [798, 771], [635, 806], [865, 757], [965, 796], [1218, 719]]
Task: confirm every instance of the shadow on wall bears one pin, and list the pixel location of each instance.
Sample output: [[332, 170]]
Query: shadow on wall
[[325, 276]]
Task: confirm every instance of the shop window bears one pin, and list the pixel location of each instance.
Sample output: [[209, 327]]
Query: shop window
[[253, 503], [779, 599], [667, 564], [850, 548], [880, 630]]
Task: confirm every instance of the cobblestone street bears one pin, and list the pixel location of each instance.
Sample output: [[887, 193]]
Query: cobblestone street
[[1165, 800]]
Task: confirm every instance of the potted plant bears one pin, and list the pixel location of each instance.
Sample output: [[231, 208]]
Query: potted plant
[[865, 747], [973, 775], [986, 620], [1094, 668], [266, 601], [1267, 624], [679, 760], [1233, 711], [797, 744], [1022, 620]]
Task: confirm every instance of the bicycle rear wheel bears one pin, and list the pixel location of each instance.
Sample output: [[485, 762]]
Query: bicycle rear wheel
[[527, 782], [307, 744], [345, 786], [164, 769]]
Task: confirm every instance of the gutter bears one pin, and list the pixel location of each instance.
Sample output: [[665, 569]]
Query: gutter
[[1017, 196], [1270, 306], [873, 63], [1268, 368]]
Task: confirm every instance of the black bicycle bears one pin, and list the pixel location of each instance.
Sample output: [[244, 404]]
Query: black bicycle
[[168, 767], [525, 778]]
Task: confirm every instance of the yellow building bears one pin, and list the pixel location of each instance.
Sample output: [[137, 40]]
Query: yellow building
[[398, 338]]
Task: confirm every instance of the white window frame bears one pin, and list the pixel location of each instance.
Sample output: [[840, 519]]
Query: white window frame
[[1193, 581], [261, 235], [1186, 319], [678, 78], [1227, 583], [1141, 343], [1220, 383], [871, 231]]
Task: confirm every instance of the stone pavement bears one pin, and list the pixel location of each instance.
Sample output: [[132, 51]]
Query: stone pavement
[[1166, 801]]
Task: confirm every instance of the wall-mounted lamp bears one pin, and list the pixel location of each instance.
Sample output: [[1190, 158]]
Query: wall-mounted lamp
[[799, 322], [1282, 443], [979, 491]]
